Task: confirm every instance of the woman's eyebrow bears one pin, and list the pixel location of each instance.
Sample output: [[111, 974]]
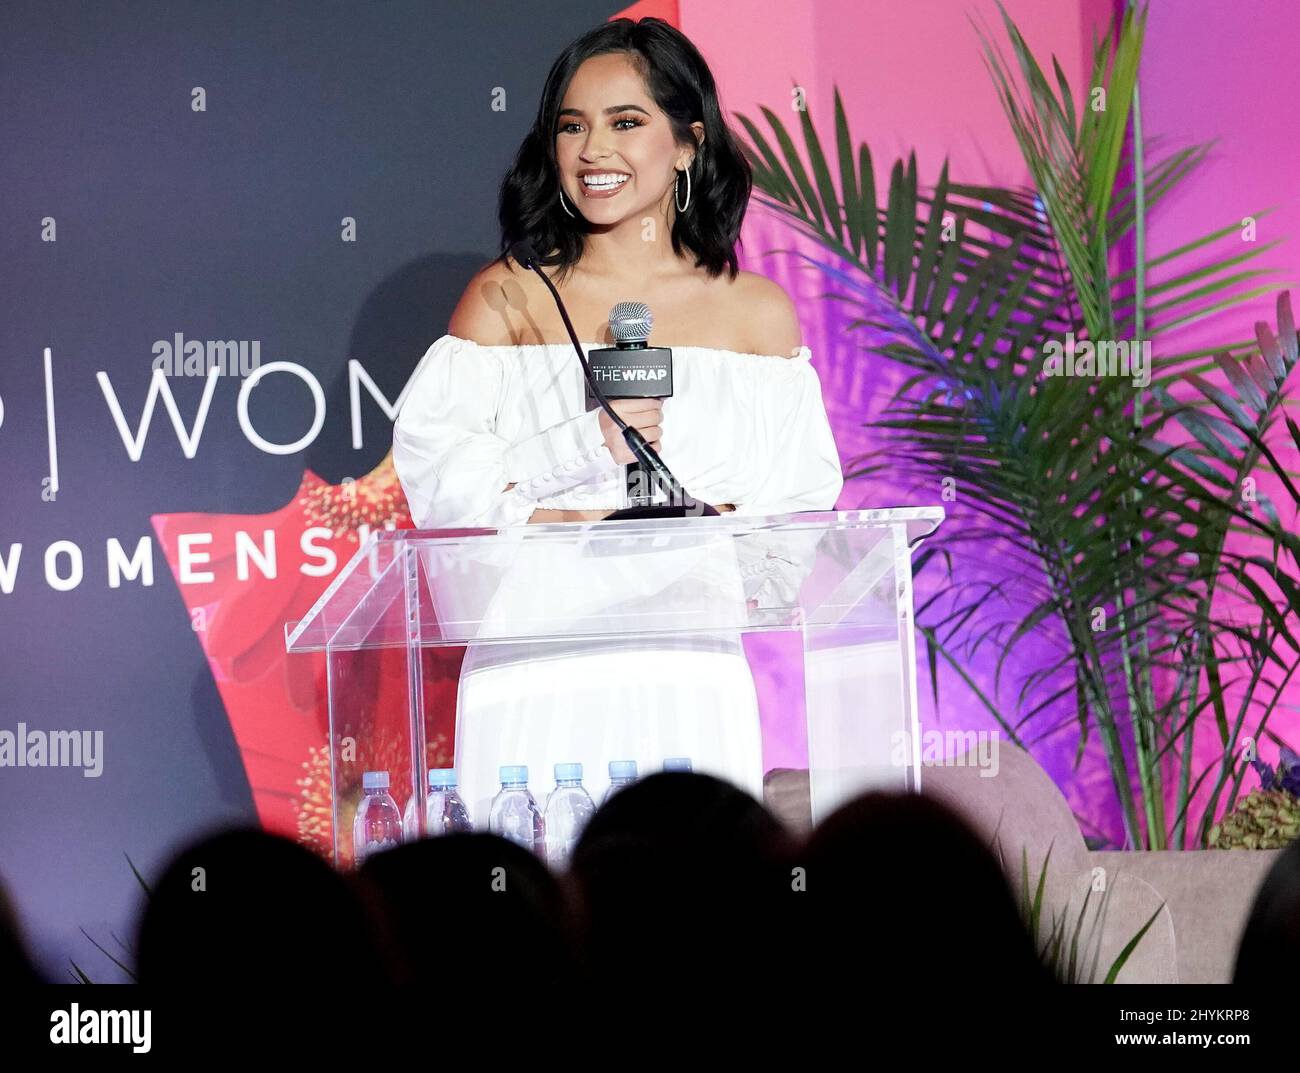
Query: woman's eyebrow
[[608, 111]]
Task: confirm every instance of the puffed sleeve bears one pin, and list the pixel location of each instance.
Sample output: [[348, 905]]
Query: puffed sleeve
[[803, 474], [803, 471], [453, 466]]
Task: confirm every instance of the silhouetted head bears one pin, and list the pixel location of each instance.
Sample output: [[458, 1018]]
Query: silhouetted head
[[1270, 942], [473, 908], [900, 887], [247, 908], [681, 880]]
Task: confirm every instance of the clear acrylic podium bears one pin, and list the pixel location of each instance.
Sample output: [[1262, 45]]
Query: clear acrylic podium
[[838, 583]]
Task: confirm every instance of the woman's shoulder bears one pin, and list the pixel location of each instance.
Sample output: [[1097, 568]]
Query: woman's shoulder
[[494, 307], [771, 325]]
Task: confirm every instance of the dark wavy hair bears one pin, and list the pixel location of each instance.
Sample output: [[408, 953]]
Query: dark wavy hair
[[682, 86]]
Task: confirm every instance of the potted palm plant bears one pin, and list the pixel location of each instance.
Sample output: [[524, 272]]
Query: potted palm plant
[[1123, 503]]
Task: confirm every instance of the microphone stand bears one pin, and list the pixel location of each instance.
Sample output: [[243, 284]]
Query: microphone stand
[[680, 503]]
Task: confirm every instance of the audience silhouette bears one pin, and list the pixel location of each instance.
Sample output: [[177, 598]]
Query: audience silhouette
[[902, 880], [472, 906], [1270, 942], [239, 906], [680, 882], [681, 888]]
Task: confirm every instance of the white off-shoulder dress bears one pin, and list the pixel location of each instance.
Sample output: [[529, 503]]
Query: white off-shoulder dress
[[745, 429]]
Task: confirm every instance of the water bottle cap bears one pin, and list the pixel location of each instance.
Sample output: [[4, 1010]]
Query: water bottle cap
[[622, 769], [442, 777], [374, 780], [677, 763], [514, 773], [567, 772]]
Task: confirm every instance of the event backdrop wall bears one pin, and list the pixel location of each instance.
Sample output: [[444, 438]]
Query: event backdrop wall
[[198, 165], [318, 181]]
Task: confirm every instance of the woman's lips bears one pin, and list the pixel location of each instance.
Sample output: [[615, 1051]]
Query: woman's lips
[[602, 191]]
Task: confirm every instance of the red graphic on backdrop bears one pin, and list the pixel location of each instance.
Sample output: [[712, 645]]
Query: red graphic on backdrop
[[277, 703]]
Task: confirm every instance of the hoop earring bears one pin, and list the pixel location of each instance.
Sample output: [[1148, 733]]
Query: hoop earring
[[566, 207], [687, 173]]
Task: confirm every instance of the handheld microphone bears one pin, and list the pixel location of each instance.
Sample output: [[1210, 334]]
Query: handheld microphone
[[632, 370], [680, 504]]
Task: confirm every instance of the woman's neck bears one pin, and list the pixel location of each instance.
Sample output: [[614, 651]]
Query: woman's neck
[[632, 251]]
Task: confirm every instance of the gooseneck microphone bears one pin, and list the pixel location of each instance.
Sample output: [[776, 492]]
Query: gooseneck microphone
[[680, 504]]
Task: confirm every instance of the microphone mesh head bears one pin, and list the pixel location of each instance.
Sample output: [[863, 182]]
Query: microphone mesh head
[[630, 322]]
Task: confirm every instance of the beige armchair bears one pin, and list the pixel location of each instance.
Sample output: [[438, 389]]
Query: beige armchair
[[1207, 894]]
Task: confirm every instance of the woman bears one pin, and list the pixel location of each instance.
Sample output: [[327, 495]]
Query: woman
[[630, 187]]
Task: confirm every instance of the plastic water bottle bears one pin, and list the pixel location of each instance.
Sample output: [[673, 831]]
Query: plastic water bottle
[[378, 823], [677, 763], [444, 813], [514, 814], [568, 809], [410, 829], [621, 773]]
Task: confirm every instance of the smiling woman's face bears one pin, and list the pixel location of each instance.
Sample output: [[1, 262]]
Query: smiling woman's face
[[615, 147]]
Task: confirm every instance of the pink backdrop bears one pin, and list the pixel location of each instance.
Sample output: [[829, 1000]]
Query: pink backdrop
[[912, 79]]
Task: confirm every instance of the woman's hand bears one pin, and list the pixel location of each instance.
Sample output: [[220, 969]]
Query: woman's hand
[[645, 415]]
